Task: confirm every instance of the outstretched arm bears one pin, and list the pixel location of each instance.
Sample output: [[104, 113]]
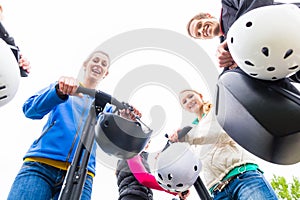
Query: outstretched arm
[[143, 176]]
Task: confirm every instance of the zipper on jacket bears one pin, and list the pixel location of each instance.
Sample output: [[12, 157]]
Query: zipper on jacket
[[44, 132]]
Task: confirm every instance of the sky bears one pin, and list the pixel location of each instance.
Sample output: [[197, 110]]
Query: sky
[[56, 36]]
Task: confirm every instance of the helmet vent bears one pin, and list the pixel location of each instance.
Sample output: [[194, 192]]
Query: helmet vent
[[3, 97], [252, 74], [270, 69], [160, 176], [288, 53], [195, 168], [274, 78], [247, 62], [295, 67], [170, 176], [265, 51], [179, 185], [248, 24]]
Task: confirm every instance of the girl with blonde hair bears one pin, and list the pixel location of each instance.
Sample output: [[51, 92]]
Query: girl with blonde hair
[[229, 171]]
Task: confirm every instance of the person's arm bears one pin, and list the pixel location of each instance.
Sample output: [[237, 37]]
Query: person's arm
[[40, 104], [186, 138], [5, 36], [143, 176]]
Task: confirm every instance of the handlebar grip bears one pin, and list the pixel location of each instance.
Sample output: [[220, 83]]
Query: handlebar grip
[[84, 90], [118, 104], [184, 131], [180, 135], [102, 98]]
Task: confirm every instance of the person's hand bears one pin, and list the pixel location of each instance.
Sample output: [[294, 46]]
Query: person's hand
[[24, 63], [184, 195], [131, 113], [224, 57], [67, 86], [174, 136]]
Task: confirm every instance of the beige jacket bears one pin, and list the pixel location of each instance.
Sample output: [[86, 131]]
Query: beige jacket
[[217, 151]]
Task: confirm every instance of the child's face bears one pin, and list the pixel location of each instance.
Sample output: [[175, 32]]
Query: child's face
[[191, 101]]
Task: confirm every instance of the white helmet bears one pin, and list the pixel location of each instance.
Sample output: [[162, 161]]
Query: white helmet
[[265, 41], [177, 168], [9, 74]]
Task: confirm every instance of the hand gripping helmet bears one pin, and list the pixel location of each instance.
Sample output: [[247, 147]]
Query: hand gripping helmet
[[265, 41], [120, 137], [9, 74], [177, 168]]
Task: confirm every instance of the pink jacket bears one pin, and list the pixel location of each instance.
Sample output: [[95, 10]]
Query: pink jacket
[[143, 176]]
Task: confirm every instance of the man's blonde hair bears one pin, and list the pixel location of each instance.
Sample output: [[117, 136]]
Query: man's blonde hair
[[98, 51]]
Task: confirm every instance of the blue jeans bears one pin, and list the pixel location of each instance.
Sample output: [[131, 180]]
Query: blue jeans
[[38, 181], [250, 185]]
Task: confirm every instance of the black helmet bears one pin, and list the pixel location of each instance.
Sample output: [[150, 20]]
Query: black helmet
[[120, 137]]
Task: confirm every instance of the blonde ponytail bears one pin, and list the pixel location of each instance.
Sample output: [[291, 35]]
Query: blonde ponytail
[[206, 107], [206, 104]]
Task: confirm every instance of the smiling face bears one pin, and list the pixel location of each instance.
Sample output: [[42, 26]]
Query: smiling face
[[204, 28], [191, 101], [96, 67]]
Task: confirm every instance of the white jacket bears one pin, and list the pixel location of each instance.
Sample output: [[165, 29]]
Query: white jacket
[[217, 151]]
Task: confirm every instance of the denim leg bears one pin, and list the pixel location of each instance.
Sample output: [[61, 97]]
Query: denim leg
[[35, 181], [253, 185], [250, 185], [86, 191], [87, 188]]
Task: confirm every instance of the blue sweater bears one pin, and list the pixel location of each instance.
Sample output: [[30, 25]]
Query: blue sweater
[[60, 134]]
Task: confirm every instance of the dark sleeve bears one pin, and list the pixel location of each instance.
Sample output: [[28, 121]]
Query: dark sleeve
[[10, 41], [5, 36], [233, 9], [245, 6]]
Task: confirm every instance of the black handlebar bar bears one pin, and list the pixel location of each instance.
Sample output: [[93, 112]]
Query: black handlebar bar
[[102, 98]]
